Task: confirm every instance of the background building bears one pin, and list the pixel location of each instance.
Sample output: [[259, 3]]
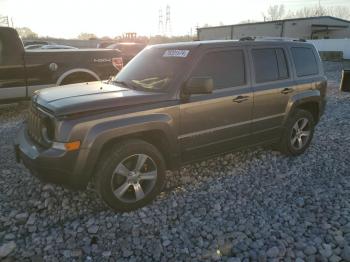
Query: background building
[[321, 27]]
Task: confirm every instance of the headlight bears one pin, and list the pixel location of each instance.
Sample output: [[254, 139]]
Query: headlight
[[48, 130]]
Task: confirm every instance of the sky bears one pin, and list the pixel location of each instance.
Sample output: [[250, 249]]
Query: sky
[[69, 18]]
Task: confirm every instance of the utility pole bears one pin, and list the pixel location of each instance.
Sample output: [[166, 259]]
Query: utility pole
[[167, 21], [160, 22]]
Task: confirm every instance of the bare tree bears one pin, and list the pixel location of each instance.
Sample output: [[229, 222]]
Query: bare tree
[[310, 12], [26, 33], [106, 38], [336, 11], [274, 12], [339, 11], [87, 36], [277, 12]]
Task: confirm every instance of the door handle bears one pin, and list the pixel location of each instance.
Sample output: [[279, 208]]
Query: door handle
[[240, 99], [287, 90]]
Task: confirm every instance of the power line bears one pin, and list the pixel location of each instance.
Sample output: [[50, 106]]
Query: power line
[[167, 21], [4, 20]]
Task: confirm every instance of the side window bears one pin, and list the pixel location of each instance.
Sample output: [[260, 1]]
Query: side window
[[305, 61], [270, 64], [282, 64], [225, 67]]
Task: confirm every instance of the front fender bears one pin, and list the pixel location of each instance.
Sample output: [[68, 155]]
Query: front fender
[[300, 99], [104, 132]]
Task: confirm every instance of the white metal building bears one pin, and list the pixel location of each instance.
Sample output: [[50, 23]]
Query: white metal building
[[320, 27]]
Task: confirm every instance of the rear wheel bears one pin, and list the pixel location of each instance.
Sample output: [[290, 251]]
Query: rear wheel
[[130, 175], [298, 133]]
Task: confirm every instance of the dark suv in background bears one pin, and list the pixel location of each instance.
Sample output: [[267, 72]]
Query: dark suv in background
[[173, 104]]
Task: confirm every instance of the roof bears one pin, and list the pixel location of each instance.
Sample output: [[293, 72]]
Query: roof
[[279, 21]]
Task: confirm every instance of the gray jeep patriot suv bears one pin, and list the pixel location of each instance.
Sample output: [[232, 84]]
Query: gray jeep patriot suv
[[171, 105]]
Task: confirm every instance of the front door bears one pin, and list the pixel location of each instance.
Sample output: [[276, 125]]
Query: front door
[[221, 121]]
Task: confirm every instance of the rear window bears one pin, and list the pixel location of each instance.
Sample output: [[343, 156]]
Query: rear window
[[270, 64], [305, 61], [225, 67]]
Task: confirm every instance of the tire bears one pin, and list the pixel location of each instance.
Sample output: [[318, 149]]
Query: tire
[[299, 131], [130, 175]]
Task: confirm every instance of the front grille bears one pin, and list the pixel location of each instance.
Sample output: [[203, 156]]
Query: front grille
[[35, 119]]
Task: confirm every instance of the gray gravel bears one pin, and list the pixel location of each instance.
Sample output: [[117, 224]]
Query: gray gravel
[[254, 205]]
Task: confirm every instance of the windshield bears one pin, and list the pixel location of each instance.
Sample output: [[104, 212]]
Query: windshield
[[153, 69]]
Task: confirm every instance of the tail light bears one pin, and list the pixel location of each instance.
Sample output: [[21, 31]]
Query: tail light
[[118, 63]]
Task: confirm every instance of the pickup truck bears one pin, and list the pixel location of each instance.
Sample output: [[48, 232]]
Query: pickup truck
[[24, 71], [171, 105]]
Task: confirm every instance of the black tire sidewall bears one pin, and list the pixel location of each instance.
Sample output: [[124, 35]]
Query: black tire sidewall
[[109, 162]]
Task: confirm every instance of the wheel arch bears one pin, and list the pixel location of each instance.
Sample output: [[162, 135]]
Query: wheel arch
[[155, 137], [158, 134], [75, 71], [312, 107], [309, 101]]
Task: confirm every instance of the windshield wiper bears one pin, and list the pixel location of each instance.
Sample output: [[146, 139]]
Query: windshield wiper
[[123, 83]]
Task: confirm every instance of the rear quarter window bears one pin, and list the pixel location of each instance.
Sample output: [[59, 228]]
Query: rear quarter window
[[304, 61]]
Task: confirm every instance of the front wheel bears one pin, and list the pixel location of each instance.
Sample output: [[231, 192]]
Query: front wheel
[[130, 175], [298, 133]]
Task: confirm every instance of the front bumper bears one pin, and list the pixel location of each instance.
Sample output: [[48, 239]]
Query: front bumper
[[48, 164]]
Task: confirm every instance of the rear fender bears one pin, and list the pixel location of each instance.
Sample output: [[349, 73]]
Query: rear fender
[[300, 99]]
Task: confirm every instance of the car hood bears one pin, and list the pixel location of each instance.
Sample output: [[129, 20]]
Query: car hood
[[92, 96]]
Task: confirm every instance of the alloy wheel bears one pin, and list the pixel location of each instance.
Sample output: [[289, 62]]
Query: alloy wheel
[[301, 132], [134, 178]]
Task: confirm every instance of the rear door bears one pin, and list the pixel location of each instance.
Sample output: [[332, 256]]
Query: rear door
[[306, 67], [272, 87], [12, 71], [218, 122]]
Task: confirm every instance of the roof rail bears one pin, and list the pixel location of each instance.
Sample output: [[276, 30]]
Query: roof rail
[[268, 38], [247, 38]]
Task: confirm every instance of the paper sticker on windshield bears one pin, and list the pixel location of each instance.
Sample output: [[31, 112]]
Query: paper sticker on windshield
[[176, 53]]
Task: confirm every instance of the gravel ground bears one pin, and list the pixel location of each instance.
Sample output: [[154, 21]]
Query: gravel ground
[[254, 205]]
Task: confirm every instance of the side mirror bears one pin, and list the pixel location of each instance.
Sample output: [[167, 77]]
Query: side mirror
[[199, 85], [345, 81]]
